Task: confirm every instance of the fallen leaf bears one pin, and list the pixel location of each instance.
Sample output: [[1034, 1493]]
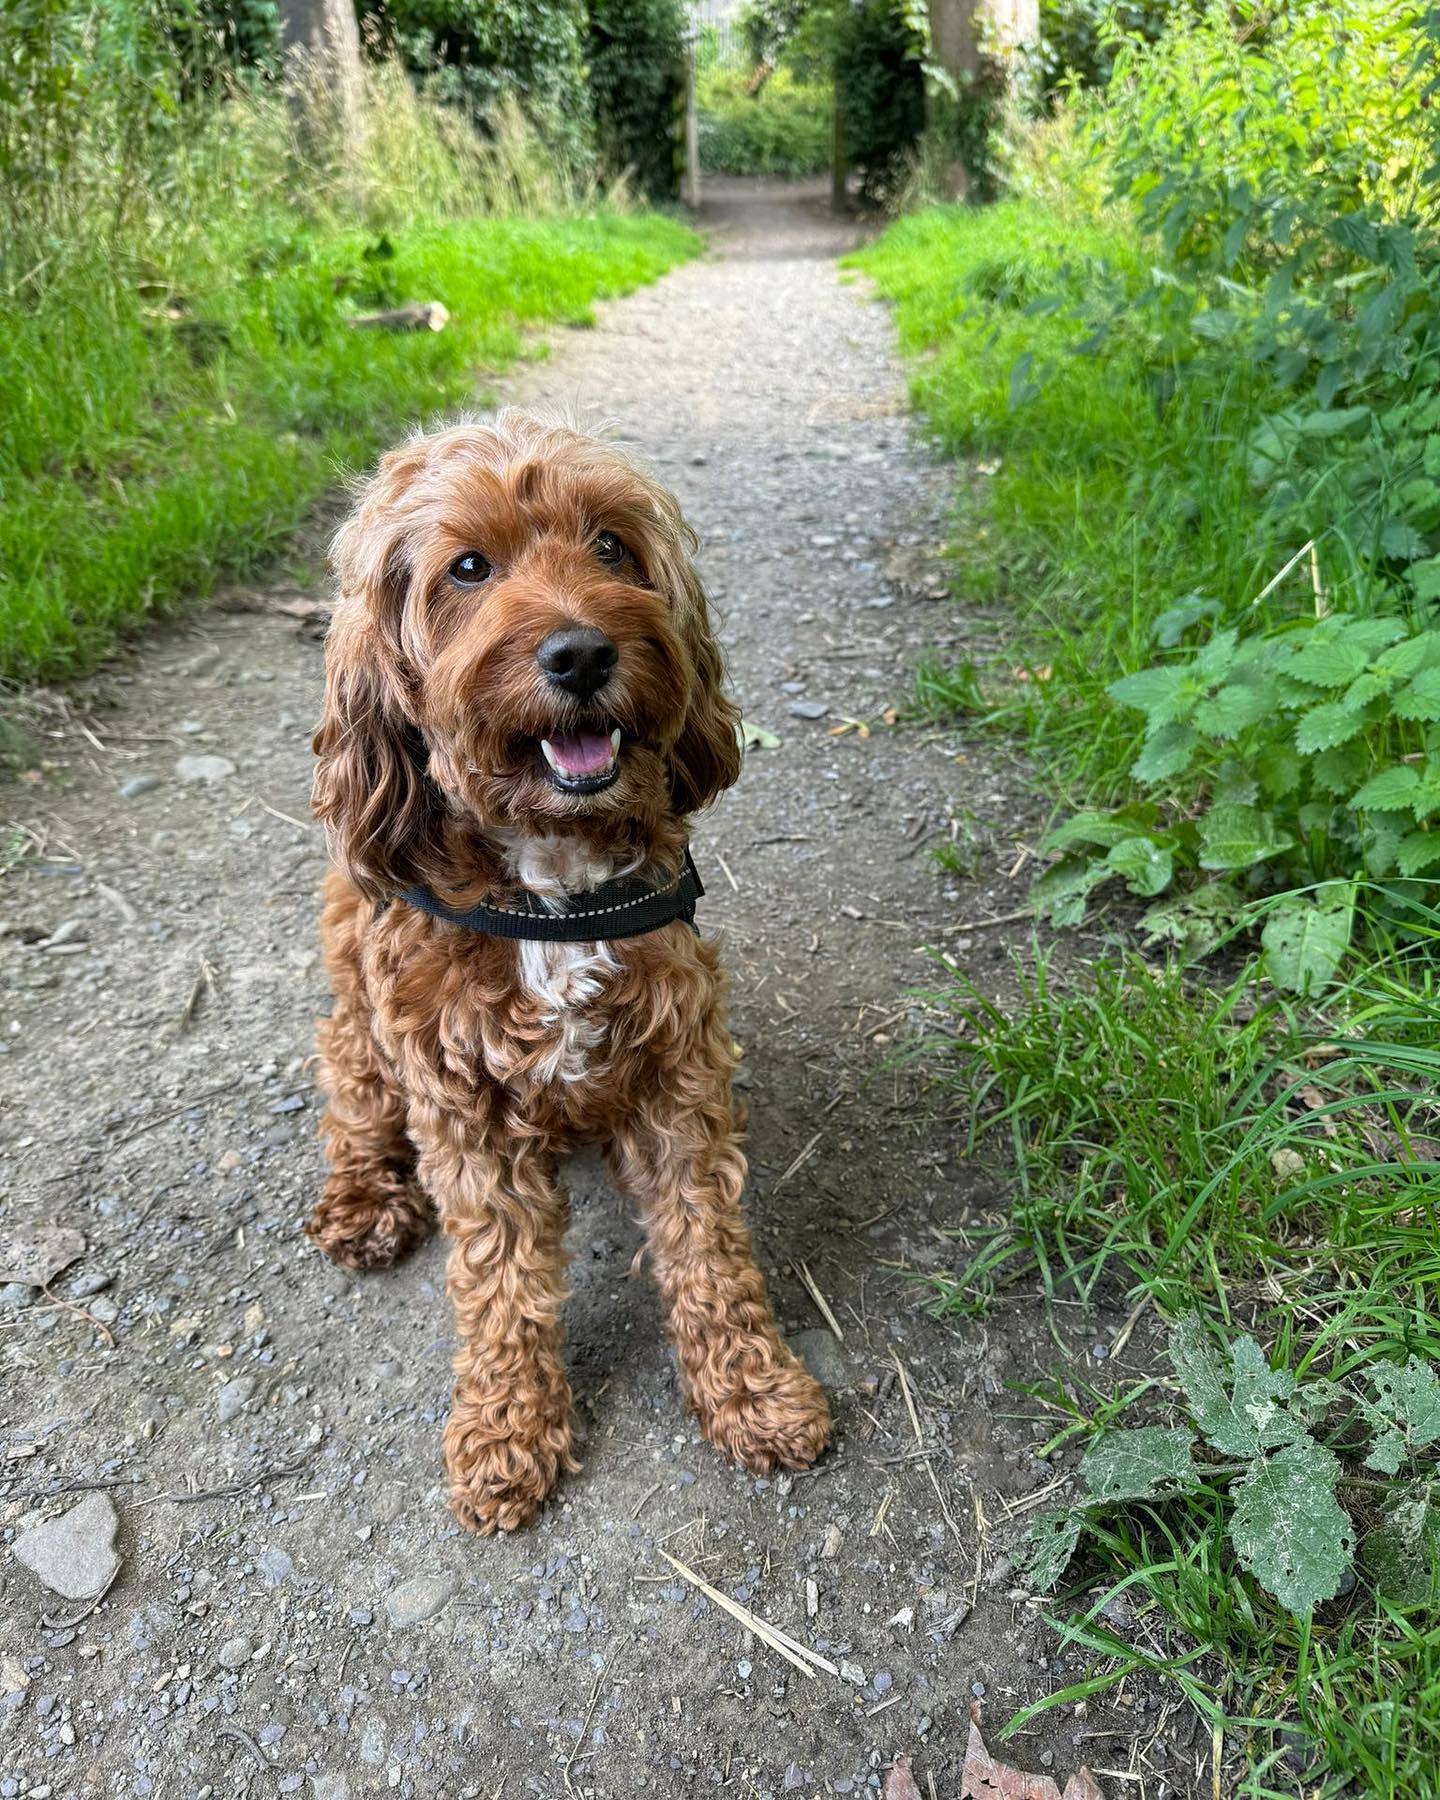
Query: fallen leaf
[[890, 716], [899, 1782], [35, 1254], [985, 1779], [753, 736]]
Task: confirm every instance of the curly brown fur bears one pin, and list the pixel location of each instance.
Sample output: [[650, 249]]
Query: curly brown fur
[[458, 1067]]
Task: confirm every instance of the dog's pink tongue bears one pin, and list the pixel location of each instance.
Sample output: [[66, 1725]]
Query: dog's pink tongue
[[582, 752]]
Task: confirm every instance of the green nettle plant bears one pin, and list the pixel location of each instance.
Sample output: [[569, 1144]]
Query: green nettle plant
[[1256, 1441], [1324, 744]]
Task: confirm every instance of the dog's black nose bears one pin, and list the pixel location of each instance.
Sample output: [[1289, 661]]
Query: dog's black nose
[[579, 659]]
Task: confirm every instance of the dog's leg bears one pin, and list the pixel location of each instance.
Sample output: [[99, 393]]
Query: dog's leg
[[508, 1438], [682, 1161], [372, 1211]]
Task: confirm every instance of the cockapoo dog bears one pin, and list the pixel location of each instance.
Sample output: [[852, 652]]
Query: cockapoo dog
[[523, 706]]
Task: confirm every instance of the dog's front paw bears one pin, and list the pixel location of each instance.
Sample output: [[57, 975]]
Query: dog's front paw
[[503, 1468], [776, 1415], [370, 1224]]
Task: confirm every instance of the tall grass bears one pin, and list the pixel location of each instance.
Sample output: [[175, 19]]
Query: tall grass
[[178, 375]]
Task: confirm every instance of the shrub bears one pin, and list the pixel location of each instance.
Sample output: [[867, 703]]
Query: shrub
[[783, 129], [636, 52], [480, 54], [880, 87]]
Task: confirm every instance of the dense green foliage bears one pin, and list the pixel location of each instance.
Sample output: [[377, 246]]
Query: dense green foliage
[[880, 89], [1193, 371], [179, 377], [1079, 39], [784, 129], [1235, 392], [485, 53], [636, 55]]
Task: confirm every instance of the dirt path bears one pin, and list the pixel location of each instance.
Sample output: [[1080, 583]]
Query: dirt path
[[294, 1593]]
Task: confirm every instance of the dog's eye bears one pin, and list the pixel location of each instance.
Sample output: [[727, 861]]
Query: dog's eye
[[609, 548], [471, 569]]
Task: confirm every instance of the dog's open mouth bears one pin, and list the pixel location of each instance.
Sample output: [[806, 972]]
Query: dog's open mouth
[[582, 762]]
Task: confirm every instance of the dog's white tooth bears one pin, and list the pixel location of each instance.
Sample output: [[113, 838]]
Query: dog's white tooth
[[550, 756], [614, 743]]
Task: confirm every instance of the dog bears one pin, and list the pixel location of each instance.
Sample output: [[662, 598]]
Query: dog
[[524, 704]]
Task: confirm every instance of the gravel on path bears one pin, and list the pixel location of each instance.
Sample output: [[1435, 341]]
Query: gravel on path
[[296, 1610]]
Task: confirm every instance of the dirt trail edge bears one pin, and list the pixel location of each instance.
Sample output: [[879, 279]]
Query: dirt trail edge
[[295, 1610]]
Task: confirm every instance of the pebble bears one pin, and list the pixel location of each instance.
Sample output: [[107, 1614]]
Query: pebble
[[74, 1555], [852, 1672], [418, 1599], [83, 1286], [823, 1357], [15, 1296], [807, 709], [834, 1537], [204, 768], [275, 1564], [138, 785], [230, 1401], [234, 1653]]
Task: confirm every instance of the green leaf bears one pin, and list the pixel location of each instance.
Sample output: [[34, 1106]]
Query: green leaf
[[1418, 851], [1167, 752], [1288, 1528], [1196, 921], [1158, 693], [1239, 1409], [1405, 1411], [1305, 939], [1420, 699], [1139, 1465], [1328, 422], [1176, 620], [1323, 727], [757, 737], [1392, 790], [1237, 837], [1402, 1552], [1424, 577], [1047, 1547], [1327, 662], [1233, 708], [1062, 891], [1313, 1399], [1337, 771], [1100, 828], [1146, 868]]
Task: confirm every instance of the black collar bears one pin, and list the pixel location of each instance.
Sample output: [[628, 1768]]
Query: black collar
[[616, 909]]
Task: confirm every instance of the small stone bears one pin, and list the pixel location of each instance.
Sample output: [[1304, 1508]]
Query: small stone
[[83, 1286], [904, 1619], [230, 1401], [1100, 1352], [236, 1652], [418, 1599], [275, 1564], [138, 785], [742, 1669], [15, 1296], [1288, 1165], [883, 1681], [204, 769], [807, 709], [852, 1672], [823, 1357], [74, 1555], [834, 1537]]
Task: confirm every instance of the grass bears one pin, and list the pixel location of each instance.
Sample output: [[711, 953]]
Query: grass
[[1203, 1145], [133, 475], [1178, 1137], [1102, 488], [179, 379]]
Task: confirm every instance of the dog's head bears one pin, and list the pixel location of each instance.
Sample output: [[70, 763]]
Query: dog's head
[[521, 641]]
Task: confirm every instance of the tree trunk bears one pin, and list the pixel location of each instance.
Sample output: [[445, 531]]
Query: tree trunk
[[963, 32], [325, 77]]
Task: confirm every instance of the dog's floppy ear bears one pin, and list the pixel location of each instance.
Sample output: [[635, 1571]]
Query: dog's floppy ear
[[705, 759], [370, 790]]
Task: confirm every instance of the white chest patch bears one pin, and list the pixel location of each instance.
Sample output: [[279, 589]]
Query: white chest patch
[[566, 979]]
